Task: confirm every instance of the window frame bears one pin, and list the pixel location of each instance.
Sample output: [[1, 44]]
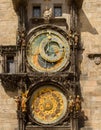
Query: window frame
[[57, 6], [5, 62], [36, 5]]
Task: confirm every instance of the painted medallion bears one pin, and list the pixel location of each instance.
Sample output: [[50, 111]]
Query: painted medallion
[[48, 105]]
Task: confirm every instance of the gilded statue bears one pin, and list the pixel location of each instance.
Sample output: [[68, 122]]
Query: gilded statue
[[24, 100]]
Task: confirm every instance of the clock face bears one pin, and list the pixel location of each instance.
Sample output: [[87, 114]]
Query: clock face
[[48, 51], [48, 105]]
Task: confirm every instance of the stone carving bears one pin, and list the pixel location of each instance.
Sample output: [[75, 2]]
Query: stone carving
[[74, 37], [47, 13], [74, 105], [21, 37], [8, 49], [77, 103], [97, 60], [18, 101], [95, 57], [71, 103]]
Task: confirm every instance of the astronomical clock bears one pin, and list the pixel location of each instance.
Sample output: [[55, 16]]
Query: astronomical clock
[[50, 58], [48, 50], [48, 105], [42, 67], [47, 78], [48, 54]]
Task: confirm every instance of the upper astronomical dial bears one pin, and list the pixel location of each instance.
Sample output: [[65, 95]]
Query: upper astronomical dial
[[48, 51]]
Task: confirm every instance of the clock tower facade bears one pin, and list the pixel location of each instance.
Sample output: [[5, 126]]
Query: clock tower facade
[[43, 71]]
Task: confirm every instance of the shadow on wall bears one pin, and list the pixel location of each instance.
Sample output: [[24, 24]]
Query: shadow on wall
[[84, 24], [82, 119], [10, 89]]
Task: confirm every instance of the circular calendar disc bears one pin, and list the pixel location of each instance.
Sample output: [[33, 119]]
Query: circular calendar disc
[[48, 105]]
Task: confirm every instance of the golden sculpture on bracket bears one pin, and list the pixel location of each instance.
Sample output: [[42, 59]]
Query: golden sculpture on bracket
[[24, 100], [74, 104], [21, 101]]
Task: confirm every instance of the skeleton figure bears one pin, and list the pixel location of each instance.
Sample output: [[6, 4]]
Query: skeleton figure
[[77, 103]]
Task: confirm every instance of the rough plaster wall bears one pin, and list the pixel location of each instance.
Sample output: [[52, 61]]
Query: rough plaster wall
[[90, 27], [8, 23], [8, 26], [8, 116]]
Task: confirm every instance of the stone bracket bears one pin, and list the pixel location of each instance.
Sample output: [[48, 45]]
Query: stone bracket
[[8, 49], [96, 57]]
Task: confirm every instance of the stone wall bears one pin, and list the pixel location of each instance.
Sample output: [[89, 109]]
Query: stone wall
[[8, 23], [8, 115], [90, 27], [8, 27]]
